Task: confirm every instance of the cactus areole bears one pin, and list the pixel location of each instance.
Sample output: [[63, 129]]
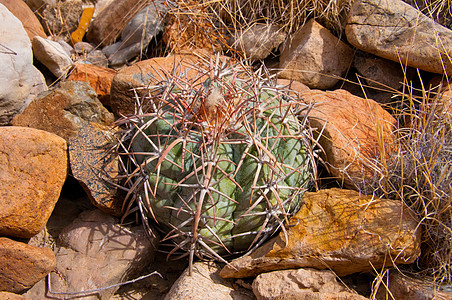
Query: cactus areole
[[218, 161]]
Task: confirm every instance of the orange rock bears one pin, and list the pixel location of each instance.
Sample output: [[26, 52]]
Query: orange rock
[[23, 12], [98, 78], [340, 230], [357, 133], [33, 168]]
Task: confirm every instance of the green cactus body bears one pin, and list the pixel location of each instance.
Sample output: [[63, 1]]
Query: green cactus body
[[219, 177]]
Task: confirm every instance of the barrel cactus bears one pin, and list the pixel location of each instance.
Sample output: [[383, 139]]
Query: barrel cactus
[[219, 161]]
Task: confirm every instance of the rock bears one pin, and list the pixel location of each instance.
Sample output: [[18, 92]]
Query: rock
[[23, 265], [137, 34], [96, 171], [205, 283], [52, 55], [97, 58], [16, 59], [109, 23], [400, 286], [83, 48], [11, 296], [143, 73], [340, 230], [396, 31], [357, 135], [258, 41], [314, 57], [301, 284], [379, 72], [65, 109], [94, 252], [33, 166], [61, 17], [99, 79], [23, 12]]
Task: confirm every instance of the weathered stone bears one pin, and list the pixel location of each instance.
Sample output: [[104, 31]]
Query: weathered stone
[[33, 168], [301, 284], [65, 109], [396, 31], [258, 41], [206, 283], [97, 58], [314, 57], [98, 78], [16, 59], [341, 230], [95, 252], [83, 48], [23, 12], [23, 265], [96, 171], [109, 23], [12, 296], [400, 286], [52, 55], [357, 133]]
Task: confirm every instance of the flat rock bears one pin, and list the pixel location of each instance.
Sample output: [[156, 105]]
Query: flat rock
[[99, 79], [65, 109], [315, 57], [95, 252], [301, 284], [33, 168], [23, 12], [357, 134], [52, 55], [23, 265], [399, 32], [16, 59], [340, 230], [206, 283], [12, 296]]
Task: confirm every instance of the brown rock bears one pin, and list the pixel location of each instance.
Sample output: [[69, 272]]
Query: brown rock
[[357, 133], [396, 31], [301, 284], [314, 57], [23, 12], [96, 171], [98, 78], [61, 18], [206, 283], [95, 252], [109, 23], [33, 168], [400, 286], [23, 265], [64, 110], [341, 230], [12, 296]]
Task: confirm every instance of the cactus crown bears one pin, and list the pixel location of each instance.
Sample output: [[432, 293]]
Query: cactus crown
[[219, 161]]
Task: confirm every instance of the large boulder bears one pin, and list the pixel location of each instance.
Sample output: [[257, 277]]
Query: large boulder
[[33, 168], [16, 59], [340, 230], [23, 12], [399, 32]]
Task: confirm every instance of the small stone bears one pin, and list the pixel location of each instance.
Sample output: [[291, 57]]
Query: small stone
[[52, 55], [23, 265], [314, 57], [83, 47], [33, 168], [340, 230], [23, 12], [65, 109]]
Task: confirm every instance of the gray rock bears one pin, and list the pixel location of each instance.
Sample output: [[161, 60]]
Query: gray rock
[[83, 47], [52, 55], [396, 31], [16, 59]]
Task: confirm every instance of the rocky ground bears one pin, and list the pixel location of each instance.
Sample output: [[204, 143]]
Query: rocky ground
[[62, 235]]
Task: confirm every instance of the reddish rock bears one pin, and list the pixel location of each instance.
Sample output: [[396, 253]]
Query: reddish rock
[[65, 109], [23, 12], [33, 168], [357, 134], [98, 78], [23, 265], [340, 230]]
